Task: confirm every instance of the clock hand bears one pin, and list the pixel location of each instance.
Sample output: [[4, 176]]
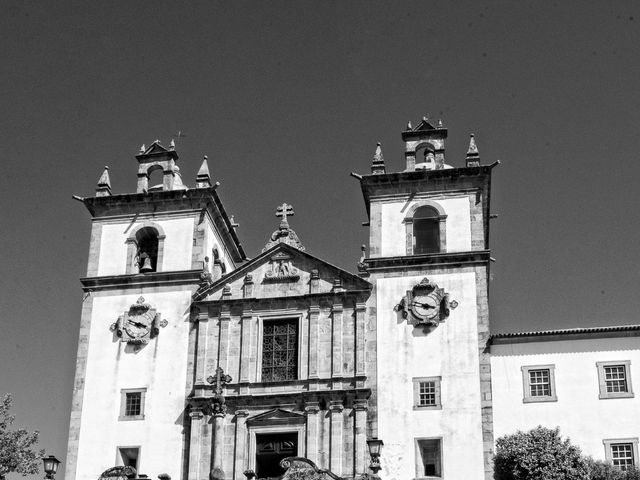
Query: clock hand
[[423, 305], [138, 324]]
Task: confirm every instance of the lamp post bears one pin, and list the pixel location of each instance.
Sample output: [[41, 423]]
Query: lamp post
[[375, 445], [50, 466]]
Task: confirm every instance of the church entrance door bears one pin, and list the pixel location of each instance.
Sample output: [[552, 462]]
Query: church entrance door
[[270, 449]]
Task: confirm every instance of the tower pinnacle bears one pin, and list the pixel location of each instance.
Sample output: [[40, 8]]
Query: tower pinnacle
[[104, 184], [203, 179], [473, 156], [377, 166]]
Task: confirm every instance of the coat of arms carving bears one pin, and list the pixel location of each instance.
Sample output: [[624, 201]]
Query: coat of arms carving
[[139, 324], [426, 305], [281, 269]]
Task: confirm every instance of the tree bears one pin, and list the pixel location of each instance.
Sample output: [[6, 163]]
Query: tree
[[599, 470], [16, 452], [539, 454]]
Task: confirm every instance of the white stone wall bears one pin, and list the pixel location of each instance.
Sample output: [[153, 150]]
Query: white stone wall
[[579, 412], [393, 230], [160, 366], [112, 258], [449, 351]]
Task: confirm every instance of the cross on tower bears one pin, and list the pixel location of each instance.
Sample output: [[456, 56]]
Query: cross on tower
[[220, 379], [283, 211]]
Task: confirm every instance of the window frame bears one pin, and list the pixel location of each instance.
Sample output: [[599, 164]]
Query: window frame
[[119, 461], [253, 431], [416, 393], [602, 384], [408, 223], [526, 384], [419, 464], [609, 442], [274, 317], [123, 404]]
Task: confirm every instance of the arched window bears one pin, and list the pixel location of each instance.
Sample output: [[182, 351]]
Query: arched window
[[426, 230], [145, 246], [147, 254]]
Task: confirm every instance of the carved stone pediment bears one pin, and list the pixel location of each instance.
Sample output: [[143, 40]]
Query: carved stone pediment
[[118, 473], [281, 269], [276, 416]]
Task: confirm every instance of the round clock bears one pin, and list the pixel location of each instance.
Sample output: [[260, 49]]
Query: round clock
[[425, 306], [139, 325]]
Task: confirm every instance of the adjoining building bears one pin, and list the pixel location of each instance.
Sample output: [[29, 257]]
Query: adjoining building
[[194, 358]]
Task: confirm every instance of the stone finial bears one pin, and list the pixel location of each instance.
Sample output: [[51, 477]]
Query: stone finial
[[172, 145], [377, 166], [143, 149], [203, 179], [409, 126], [104, 184], [232, 221], [425, 118], [284, 234], [473, 156], [440, 123]]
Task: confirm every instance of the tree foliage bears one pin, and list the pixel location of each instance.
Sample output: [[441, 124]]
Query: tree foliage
[[16, 446], [539, 454], [599, 470]]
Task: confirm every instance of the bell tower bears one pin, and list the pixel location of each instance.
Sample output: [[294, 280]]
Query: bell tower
[[149, 252], [429, 262]]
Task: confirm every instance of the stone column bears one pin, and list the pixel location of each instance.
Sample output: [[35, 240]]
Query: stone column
[[360, 440], [311, 411], [314, 335], [360, 311], [201, 355], [336, 341], [336, 409], [218, 435], [245, 357], [195, 442], [241, 444]]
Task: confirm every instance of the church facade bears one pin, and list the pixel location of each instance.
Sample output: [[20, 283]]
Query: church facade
[[197, 362]]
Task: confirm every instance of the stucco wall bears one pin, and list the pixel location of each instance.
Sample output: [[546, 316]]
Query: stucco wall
[[579, 412], [111, 365], [393, 230], [177, 244], [449, 351]]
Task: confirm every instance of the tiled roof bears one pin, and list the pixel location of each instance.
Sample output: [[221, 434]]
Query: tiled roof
[[568, 331]]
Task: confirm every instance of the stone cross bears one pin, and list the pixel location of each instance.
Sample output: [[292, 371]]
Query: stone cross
[[220, 379], [284, 210]]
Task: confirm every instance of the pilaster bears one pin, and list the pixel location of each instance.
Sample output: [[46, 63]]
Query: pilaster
[[360, 342], [197, 418], [336, 408], [314, 334], [241, 444], [245, 355], [311, 411], [360, 440], [336, 343]]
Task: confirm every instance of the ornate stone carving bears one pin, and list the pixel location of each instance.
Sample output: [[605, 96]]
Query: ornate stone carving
[[284, 234], [118, 473], [218, 406], [300, 467], [281, 269], [426, 305], [139, 324]]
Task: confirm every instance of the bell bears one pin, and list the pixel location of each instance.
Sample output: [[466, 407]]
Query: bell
[[146, 265]]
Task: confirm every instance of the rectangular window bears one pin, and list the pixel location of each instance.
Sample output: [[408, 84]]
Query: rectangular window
[[538, 382], [622, 453], [128, 457], [132, 403], [614, 379], [429, 458], [280, 350], [426, 393]]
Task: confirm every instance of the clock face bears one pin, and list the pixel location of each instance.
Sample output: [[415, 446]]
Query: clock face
[[425, 306], [138, 326]]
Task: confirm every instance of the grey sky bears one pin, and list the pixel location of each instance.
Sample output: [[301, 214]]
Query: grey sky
[[287, 98]]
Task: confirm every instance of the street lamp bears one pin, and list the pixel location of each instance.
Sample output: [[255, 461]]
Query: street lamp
[[375, 445], [50, 466]]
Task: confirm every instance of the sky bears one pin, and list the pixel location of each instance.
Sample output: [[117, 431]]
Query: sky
[[288, 98]]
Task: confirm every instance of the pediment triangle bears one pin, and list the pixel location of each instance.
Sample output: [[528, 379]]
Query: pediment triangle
[[424, 125], [274, 416]]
